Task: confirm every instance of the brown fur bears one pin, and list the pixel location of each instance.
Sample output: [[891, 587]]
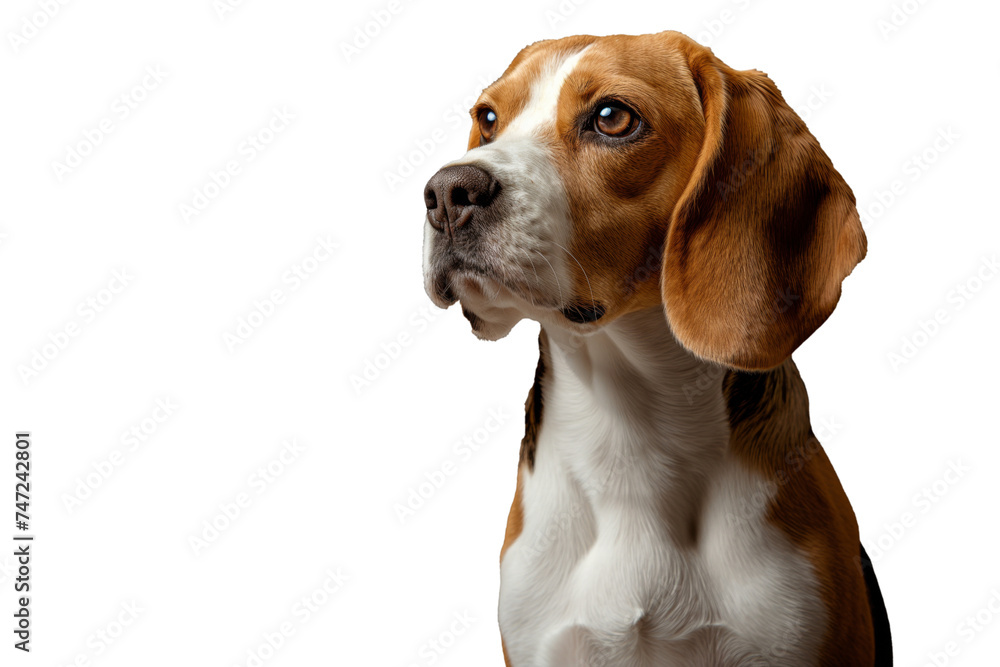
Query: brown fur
[[770, 431], [526, 459], [533, 407], [509, 94], [765, 231], [621, 200], [728, 212], [759, 228]]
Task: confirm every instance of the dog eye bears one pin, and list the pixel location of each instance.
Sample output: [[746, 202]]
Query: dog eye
[[487, 124], [615, 120]]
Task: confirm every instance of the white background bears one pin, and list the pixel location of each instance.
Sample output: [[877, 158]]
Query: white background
[[876, 99]]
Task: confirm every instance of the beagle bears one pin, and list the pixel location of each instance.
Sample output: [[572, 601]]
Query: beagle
[[677, 232]]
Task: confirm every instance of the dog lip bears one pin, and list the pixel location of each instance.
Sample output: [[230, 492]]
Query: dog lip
[[582, 313], [443, 295], [449, 280], [456, 277], [472, 317]]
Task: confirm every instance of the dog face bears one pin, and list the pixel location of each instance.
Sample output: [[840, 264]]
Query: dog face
[[609, 174]]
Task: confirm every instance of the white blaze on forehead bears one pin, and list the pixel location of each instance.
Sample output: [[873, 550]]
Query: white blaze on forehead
[[535, 230], [544, 100]]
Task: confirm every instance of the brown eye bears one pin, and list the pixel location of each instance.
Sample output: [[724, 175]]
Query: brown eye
[[613, 120], [487, 124]]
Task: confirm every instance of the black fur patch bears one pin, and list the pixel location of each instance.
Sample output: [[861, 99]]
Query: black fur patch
[[584, 313], [533, 407], [880, 618]]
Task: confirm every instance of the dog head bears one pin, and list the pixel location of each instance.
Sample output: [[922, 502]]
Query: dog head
[[610, 174]]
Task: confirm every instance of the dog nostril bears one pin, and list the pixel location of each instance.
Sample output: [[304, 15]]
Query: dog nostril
[[458, 193], [430, 199], [460, 197]]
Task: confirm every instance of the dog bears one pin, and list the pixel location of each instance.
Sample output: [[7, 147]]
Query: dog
[[677, 232]]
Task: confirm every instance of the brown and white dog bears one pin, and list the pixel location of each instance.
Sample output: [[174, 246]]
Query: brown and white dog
[[678, 232]]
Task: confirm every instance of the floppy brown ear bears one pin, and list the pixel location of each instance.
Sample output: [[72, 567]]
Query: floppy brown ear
[[765, 230]]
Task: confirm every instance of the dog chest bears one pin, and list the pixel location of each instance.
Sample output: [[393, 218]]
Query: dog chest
[[589, 583]]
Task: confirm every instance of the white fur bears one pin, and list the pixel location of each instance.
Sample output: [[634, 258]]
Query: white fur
[[644, 539], [529, 248], [540, 112]]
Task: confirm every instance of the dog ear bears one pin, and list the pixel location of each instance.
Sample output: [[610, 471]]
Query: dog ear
[[765, 230]]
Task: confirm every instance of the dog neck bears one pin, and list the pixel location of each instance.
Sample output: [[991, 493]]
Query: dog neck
[[637, 422]]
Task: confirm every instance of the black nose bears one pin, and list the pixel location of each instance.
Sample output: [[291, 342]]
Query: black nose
[[454, 194]]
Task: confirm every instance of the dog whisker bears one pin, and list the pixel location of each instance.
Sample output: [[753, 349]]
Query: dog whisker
[[554, 274], [593, 300]]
